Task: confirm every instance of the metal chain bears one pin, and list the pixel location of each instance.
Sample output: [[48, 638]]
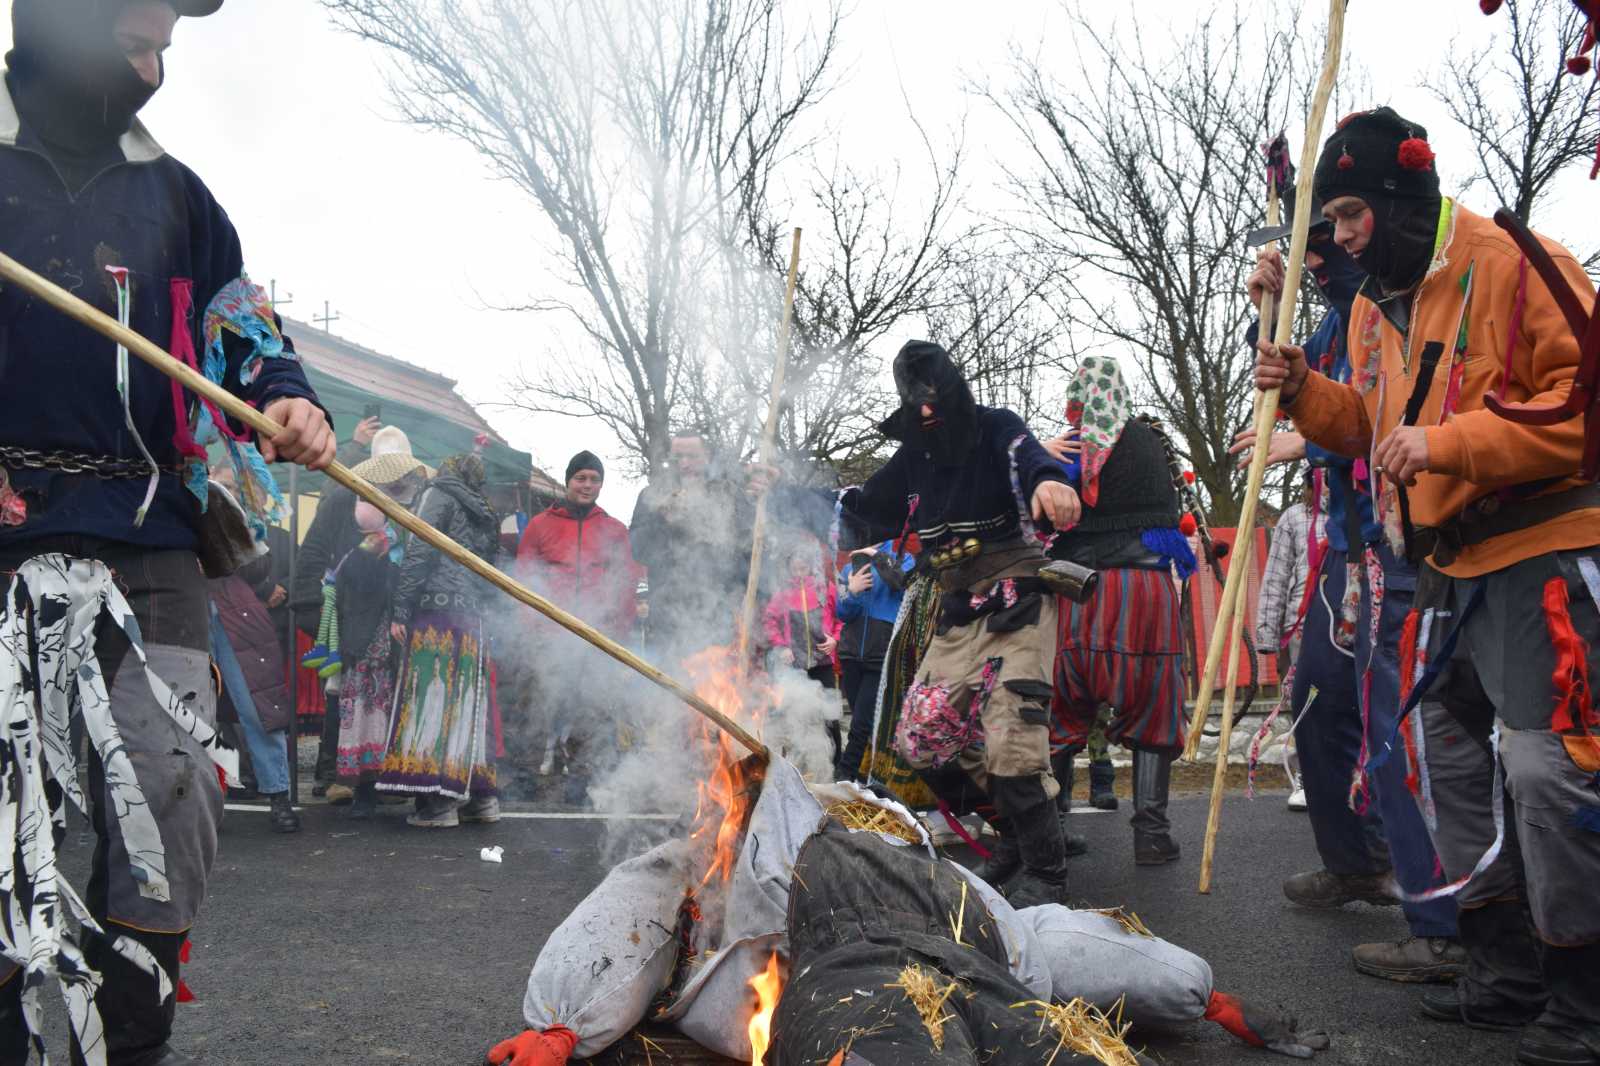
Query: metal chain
[[107, 468]]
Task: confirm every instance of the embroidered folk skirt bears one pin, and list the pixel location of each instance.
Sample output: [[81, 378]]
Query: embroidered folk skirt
[[1123, 648], [439, 740], [366, 703]]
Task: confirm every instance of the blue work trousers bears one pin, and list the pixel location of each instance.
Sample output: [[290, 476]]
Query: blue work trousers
[[269, 752]]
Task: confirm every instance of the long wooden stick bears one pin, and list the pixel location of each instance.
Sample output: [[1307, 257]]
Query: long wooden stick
[[1243, 550], [769, 437], [102, 323], [1267, 403]]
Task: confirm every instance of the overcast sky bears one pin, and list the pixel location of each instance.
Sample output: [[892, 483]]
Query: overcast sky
[[405, 235]]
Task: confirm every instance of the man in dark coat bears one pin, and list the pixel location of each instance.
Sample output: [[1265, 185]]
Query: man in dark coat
[[972, 481], [91, 465]]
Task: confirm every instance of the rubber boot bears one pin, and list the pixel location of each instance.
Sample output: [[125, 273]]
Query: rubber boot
[[1568, 1032], [327, 748], [137, 1021], [1103, 786], [1504, 987], [1061, 767], [364, 804], [1044, 858], [1152, 780], [1005, 856]]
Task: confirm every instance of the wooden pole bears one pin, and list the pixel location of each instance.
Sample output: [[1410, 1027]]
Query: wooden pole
[[1226, 606], [1243, 549], [769, 436], [97, 320], [1267, 403]]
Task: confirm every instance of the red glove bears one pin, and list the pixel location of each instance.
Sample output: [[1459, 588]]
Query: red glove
[[533, 1048], [1262, 1028]]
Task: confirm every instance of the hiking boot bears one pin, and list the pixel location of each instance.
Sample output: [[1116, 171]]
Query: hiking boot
[[1460, 1004], [1555, 1043], [282, 815], [481, 810], [166, 1055], [1421, 959], [1321, 889], [339, 795], [1102, 786], [434, 813]]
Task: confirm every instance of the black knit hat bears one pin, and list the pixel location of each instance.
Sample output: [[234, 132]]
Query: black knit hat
[[1377, 155], [586, 460]]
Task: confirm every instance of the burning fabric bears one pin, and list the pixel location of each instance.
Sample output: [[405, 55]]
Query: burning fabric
[[838, 935]]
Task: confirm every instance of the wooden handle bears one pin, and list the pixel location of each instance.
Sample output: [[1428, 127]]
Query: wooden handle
[[1243, 550], [769, 436], [102, 323]]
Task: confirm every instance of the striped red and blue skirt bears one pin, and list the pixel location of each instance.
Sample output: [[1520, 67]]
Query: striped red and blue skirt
[[1123, 648]]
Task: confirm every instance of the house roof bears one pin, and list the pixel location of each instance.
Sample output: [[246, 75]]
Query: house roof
[[385, 376]]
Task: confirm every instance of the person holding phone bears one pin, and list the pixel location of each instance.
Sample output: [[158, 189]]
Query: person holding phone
[[871, 587]]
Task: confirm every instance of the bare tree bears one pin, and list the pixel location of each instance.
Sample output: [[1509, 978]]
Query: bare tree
[[648, 133], [641, 130], [1144, 174], [1528, 117]]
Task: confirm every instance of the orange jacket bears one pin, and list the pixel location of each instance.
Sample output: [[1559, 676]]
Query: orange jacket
[[1471, 450]]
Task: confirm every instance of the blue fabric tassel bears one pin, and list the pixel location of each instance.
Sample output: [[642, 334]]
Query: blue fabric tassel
[[1173, 547]]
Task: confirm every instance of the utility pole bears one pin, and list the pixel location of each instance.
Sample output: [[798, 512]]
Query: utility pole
[[272, 295], [327, 318]]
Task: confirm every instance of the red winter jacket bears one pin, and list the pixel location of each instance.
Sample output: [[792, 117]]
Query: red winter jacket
[[585, 565]]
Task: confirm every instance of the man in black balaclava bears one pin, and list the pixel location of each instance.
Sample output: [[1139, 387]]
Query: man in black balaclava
[[92, 481], [1505, 534], [1359, 854], [971, 480], [1360, 160]]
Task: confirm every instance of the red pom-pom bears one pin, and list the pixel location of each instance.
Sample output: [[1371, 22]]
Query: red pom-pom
[[184, 995], [1345, 161], [183, 952], [1415, 154], [1578, 65], [1188, 476], [1187, 525], [1488, 7], [1281, 417]]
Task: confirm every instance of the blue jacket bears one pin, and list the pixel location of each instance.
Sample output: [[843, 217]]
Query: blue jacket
[[869, 617], [153, 215]]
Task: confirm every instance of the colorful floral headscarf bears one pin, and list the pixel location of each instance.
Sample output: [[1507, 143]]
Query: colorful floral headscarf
[[1098, 407]]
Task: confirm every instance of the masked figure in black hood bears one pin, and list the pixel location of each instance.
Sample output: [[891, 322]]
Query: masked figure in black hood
[[971, 481], [94, 205]]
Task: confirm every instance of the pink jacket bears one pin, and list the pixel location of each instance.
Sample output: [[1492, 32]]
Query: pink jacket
[[800, 608]]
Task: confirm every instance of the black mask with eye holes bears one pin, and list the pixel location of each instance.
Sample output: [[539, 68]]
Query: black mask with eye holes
[[924, 374], [71, 82]]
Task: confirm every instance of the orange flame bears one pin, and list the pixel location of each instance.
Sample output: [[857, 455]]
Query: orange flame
[[768, 987], [728, 788]]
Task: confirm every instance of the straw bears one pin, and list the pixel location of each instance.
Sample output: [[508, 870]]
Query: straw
[[929, 997], [867, 817], [1085, 1029], [1128, 921]]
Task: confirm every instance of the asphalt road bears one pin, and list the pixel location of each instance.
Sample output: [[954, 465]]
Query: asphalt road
[[376, 943]]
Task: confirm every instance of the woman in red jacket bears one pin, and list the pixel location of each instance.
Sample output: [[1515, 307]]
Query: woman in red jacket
[[582, 559]]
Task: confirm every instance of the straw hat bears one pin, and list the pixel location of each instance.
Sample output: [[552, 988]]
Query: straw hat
[[391, 458]]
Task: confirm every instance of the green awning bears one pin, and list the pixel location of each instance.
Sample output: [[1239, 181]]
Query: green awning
[[433, 437]]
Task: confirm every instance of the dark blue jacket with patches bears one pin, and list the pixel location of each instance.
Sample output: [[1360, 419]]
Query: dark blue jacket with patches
[[58, 382]]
